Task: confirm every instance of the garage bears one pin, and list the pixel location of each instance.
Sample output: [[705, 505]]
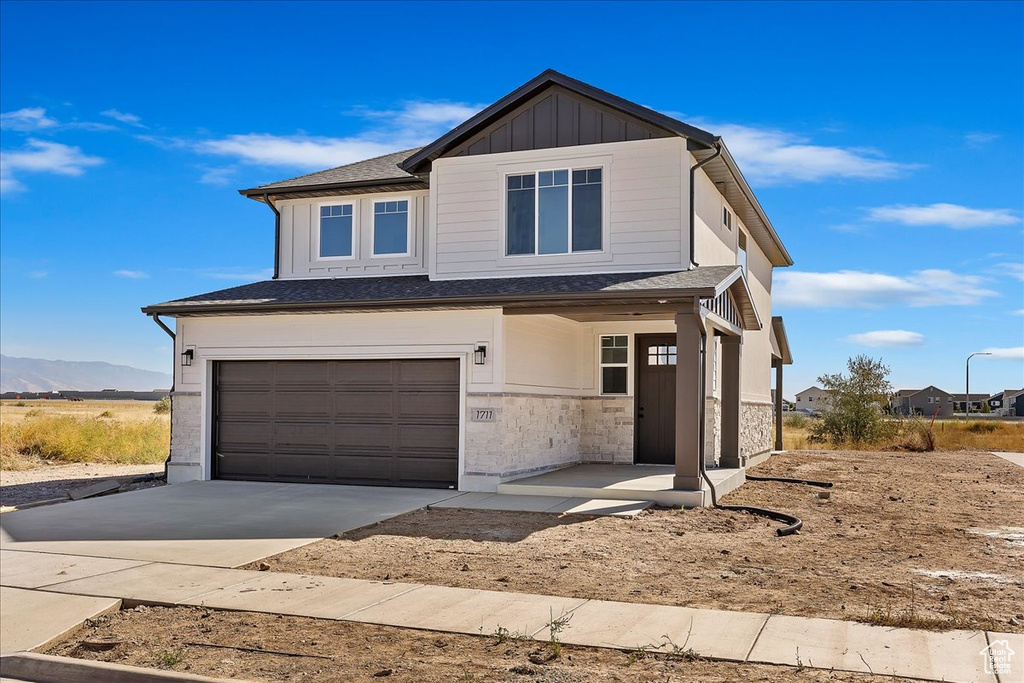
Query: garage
[[369, 422]]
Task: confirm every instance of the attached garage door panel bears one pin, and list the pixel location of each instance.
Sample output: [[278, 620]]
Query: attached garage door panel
[[378, 422]]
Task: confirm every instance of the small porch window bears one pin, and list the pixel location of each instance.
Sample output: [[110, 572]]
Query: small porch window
[[615, 364]]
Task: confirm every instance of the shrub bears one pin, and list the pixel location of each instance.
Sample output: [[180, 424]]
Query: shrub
[[163, 406], [106, 413], [918, 435], [796, 420], [855, 410], [981, 427]]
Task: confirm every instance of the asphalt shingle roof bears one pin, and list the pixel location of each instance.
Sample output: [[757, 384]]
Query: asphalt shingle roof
[[283, 295], [380, 168]]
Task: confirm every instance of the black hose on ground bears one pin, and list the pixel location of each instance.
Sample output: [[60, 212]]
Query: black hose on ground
[[786, 480]]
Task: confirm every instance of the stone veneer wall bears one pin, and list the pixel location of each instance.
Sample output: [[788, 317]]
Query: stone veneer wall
[[756, 420], [530, 433], [712, 431], [186, 449], [607, 434]]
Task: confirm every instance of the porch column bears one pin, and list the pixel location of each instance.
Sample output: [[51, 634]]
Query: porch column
[[688, 402], [778, 404], [731, 375]]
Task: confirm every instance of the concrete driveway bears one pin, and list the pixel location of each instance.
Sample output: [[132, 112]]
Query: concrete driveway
[[211, 523]]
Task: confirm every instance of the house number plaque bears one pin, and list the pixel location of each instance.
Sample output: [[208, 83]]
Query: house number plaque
[[483, 415]]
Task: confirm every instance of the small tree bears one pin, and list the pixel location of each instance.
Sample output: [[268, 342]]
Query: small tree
[[855, 409]]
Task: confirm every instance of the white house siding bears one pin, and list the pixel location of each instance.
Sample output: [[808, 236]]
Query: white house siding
[[300, 224], [645, 198]]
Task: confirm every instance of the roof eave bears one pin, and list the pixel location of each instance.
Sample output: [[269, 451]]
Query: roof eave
[[597, 299], [257, 193]]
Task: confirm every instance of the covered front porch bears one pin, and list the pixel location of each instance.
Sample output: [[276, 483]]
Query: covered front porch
[[654, 483]]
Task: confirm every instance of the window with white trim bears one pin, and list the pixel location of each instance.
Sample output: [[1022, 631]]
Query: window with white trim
[[741, 252], [336, 231], [726, 218], [391, 228], [615, 364], [553, 212]]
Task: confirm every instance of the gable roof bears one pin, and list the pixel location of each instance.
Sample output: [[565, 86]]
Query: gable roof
[[382, 170], [418, 291], [907, 393], [418, 162]]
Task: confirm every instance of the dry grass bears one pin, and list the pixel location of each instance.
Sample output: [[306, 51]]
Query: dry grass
[[950, 435], [123, 432]]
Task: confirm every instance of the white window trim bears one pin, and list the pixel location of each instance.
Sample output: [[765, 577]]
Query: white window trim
[[536, 171], [355, 231], [408, 227], [601, 365]]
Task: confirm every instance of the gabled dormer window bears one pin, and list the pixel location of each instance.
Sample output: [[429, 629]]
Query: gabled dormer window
[[554, 212], [336, 230]]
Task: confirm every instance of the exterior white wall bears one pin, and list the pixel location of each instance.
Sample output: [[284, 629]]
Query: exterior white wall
[[300, 226], [645, 193], [811, 398]]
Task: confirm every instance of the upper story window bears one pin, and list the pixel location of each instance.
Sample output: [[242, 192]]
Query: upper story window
[[726, 218], [336, 231], [741, 252], [554, 212], [391, 228]]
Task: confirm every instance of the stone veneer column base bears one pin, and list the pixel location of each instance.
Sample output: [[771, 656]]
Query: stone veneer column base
[[756, 421]]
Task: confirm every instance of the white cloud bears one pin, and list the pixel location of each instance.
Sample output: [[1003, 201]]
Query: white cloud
[[411, 125], [857, 289], [238, 274], [218, 176], [123, 117], [298, 151], [979, 139], [948, 215], [38, 274], [131, 274], [28, 119], [1019, 311], [1011, 353], [41, 156], [1014, 269], [772, 156], [887, 338]]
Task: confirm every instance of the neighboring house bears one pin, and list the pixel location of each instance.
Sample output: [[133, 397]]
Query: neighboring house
[[929, 402], [520, 295], [1005, 403], [812, 398], [977, 402]]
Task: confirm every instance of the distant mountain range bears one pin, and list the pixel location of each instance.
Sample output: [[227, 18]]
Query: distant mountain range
[[36, 374]]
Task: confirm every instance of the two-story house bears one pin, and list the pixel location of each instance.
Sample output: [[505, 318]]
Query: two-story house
[[929, 402], [566, 277]]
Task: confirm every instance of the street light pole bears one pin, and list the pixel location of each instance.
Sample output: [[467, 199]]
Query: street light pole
[[967, 397]]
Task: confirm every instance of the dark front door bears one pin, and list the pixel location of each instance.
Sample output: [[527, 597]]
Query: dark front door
[[376, 422], [656, 399]]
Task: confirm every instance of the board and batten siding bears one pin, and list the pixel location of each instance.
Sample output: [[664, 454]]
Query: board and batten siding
[[645, 195], [300, 223]]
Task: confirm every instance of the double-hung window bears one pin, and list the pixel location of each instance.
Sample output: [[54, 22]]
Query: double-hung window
[[336, 231], [554, 212], [391, 228], [614, 364]]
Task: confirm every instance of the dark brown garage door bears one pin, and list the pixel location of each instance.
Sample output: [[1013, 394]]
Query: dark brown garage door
[[377, 422]]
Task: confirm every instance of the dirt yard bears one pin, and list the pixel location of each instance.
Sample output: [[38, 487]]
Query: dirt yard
[[931, 540], [338, 651]]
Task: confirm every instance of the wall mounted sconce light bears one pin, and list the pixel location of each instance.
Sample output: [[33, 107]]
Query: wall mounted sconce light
[[480, 355], [186, 357]]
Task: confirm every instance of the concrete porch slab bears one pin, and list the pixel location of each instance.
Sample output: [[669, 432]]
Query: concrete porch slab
[[34, 570], [295, 594], [710, 633], [952, 656], [162, 584], [623, 482], [550, 504], [33, 619], [462, 610]]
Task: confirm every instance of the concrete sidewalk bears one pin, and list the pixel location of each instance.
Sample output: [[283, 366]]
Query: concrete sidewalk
[[1015, 458], [733, 636]]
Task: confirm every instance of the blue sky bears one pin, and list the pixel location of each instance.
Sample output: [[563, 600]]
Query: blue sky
[[883, 139]]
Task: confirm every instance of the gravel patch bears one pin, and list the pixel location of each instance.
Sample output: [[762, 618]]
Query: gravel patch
[[20, 487]]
